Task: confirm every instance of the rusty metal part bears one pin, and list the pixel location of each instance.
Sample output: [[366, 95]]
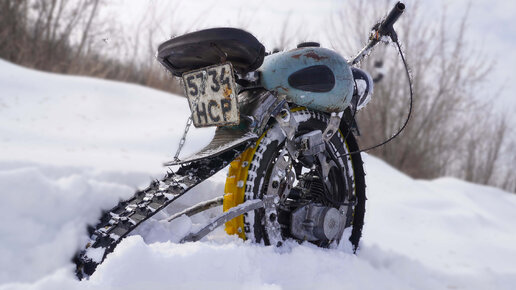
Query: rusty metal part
[[277, 69], [315, 56]]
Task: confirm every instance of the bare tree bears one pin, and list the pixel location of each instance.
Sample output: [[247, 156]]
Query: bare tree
[[63, 35], [441, 138], [287, 35], [85, 33]]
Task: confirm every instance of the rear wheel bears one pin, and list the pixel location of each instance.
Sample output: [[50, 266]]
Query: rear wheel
[[318, 196]]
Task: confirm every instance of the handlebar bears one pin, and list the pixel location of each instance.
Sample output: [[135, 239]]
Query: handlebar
[[383, 28]]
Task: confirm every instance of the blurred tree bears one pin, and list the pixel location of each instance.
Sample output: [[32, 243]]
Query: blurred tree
[[451, 131], [62, 36]]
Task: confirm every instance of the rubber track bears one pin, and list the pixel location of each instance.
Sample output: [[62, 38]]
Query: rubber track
[[117, 223]]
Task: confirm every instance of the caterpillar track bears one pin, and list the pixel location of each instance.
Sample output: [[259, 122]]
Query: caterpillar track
[[118, 222]]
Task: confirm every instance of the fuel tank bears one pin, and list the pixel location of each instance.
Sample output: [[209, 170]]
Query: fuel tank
[[314, 77]]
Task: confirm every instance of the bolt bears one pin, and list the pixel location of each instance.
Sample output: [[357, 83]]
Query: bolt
[[275, 184], [272, 217]]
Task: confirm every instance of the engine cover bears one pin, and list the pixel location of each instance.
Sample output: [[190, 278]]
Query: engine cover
[[314, 222]]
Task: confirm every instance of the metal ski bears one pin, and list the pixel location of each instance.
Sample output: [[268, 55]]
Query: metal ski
[[223, 218], [200, 207], [117, 223]]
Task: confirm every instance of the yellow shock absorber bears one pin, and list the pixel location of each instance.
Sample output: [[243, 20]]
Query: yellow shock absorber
[[234, 189]]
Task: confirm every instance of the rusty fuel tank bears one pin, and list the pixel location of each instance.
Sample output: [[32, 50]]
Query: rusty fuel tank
[[314, 77]]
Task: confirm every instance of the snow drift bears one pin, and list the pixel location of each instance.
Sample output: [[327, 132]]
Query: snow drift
[[73, 146]]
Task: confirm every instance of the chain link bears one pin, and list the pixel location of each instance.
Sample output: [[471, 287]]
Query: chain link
[[183, 139], [190, 119]]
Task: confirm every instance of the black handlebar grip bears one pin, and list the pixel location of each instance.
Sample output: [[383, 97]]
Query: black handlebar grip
[[386, 25]]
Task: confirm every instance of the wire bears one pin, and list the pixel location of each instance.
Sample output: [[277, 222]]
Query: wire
[[409, 113]]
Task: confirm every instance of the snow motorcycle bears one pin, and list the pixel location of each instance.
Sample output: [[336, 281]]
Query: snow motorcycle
[[285, 126]]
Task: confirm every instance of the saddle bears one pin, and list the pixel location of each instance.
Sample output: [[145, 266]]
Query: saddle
[[209, 47]]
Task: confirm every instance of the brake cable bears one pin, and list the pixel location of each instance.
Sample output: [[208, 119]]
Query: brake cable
[[409, 113]]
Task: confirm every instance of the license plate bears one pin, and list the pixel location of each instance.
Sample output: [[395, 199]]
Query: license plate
[[212, 89]]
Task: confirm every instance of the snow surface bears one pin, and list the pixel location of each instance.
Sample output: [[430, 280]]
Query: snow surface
[[73, 146]]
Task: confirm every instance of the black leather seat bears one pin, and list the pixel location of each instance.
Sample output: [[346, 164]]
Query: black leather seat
[[211, 46]]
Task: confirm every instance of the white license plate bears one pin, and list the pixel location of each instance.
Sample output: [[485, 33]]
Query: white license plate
[[213, 89]]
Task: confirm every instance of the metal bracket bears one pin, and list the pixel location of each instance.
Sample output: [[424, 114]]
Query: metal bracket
[[311, 143], [200, 207], [288, 125], [333, 126], [223, 218], [258, 108]]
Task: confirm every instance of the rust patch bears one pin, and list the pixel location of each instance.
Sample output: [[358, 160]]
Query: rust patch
[[332, 109], [315, 56], [227, 91], [296, 56], [283, 88]]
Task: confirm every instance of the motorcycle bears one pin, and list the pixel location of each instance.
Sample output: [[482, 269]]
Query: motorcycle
[[285, 126]]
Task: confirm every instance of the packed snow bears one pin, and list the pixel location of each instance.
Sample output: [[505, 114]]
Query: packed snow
[[71, 147]]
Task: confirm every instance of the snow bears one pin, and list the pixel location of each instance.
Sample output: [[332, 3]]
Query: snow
[[75, 120], [71, 147]]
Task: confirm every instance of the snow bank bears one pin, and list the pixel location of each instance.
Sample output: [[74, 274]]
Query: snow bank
[[63, 120], [448, 224], [72, 146]]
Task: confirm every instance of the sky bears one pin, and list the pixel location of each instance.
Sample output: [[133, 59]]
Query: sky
[[492, 25]]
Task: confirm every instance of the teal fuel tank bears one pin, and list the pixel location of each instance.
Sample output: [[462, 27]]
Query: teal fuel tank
[[314, 77]]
